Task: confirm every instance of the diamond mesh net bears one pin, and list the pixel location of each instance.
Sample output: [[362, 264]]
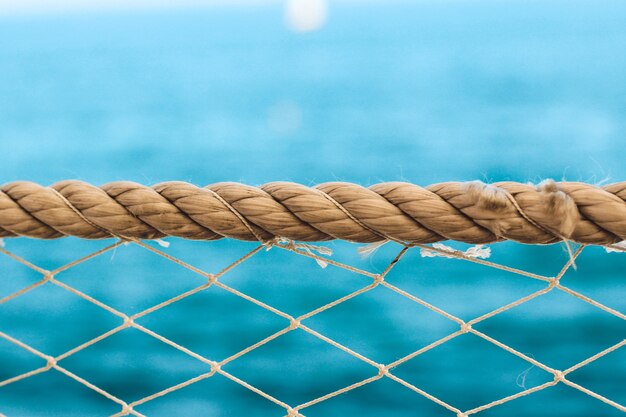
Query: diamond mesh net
[[221, 367]]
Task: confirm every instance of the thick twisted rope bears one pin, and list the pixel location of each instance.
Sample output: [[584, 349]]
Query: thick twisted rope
[[471, 212]]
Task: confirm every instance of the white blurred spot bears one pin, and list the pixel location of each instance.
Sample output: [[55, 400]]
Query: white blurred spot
[[306, 15], [284, 117], [1, 243]]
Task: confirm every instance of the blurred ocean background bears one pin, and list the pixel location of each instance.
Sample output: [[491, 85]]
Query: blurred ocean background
[[311, 91]]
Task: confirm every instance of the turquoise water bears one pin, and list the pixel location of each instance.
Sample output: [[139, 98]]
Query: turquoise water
[[421, 92]]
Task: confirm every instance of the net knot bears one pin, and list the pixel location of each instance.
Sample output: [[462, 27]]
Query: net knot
[[313, 250], [128, 322], [47, 276], [559, 376], [466, 327], [292, 413], [50, 362], [382, 370], [379, 278], [212, 279], [461, 415], [294, 324], [126, 409], [215, 367], [553, 283]]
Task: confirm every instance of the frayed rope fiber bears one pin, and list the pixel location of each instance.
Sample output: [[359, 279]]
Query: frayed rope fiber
[[471, 212]]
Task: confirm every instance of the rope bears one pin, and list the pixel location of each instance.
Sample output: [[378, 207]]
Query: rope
[[471, 212]]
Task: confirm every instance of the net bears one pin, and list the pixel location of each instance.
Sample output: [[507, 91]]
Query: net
[[219, 367]]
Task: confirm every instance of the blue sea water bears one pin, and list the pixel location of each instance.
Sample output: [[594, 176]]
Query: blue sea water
[[415, 91]]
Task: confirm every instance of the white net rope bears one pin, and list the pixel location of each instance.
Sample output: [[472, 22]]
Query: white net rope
[[379, 371]]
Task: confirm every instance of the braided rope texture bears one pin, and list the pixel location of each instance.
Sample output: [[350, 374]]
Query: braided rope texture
[[471, 212]]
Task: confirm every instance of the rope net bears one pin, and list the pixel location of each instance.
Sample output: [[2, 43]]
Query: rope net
[[220, 367]]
